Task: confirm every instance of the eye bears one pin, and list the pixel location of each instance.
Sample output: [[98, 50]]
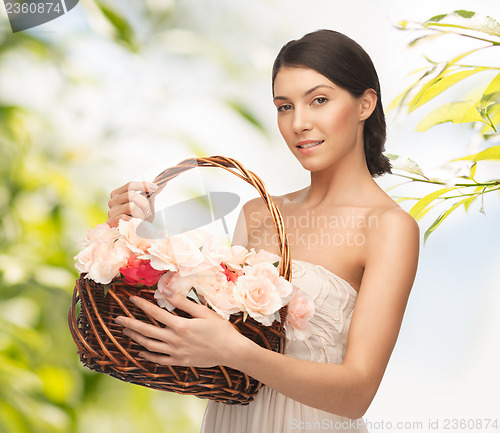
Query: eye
[[285, 107], [320, 100]]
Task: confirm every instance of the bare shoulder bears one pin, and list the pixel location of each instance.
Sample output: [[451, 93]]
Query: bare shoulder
[[259, 206], [395, 239], [397, 221]]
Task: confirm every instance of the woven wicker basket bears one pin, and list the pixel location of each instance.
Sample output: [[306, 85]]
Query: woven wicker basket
[[103, 347]]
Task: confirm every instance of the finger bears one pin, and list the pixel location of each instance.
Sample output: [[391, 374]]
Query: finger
[[127, 209], [146, 329], [156, 312], [135, 186], [114, 220], [140, 200], [130, 197], [149, 343], [193, 308]]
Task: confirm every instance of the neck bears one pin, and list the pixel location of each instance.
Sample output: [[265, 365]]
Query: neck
[[347, 183]]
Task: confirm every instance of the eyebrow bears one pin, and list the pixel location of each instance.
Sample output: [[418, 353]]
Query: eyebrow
[[308, 92]]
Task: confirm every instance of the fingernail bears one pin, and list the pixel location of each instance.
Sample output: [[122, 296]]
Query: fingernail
[[119, 320], [153, 186], [132, 299]]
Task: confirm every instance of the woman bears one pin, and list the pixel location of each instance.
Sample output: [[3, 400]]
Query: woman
[[355, 253]]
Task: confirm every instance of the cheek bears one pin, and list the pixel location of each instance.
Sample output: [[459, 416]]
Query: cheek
[[345, 118], [282, 126]]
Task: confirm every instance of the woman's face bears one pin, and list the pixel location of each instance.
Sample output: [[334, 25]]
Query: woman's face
[[320, 122]]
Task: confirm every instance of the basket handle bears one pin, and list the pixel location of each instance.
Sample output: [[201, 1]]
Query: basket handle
[[237, 169]]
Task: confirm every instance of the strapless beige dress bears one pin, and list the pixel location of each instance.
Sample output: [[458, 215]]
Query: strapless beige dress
[[272, 412]]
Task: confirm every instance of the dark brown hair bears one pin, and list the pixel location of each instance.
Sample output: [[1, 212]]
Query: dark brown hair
[[345, 63]]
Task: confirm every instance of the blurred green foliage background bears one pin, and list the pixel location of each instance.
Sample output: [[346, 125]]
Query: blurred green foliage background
[[60, 144], [46, 203]]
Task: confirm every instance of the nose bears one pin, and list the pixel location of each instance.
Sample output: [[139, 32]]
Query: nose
[[301, 120]]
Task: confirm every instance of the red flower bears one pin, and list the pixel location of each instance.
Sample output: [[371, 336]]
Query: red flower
[[231, 273], [140, 272]]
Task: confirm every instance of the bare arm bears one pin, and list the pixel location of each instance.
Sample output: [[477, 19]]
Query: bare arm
[[345, 389]]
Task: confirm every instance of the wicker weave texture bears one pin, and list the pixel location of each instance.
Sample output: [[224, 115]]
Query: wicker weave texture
[[103, 347]]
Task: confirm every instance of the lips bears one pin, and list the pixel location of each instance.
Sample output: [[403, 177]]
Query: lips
[[308, 143]]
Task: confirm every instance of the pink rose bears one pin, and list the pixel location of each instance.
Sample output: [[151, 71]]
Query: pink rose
[[231, 273], [137, 242], [236, 256], [218, 292], [262, 256], [300, 312], [215, 253], [161, 255], [187, 255], [199, 237], [172, 282], [102, 260], [101, 232], [259, 297], [269, 271], [140, 272]]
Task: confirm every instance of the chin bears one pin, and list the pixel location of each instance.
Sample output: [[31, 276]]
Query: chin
[[313, 167]]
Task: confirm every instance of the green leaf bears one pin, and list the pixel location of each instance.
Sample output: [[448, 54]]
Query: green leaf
[[468, 20], [400, 199], [120, 24], [465, 14], [492, 153], [469, 202], [425, 38], [473, 170], [437, 18], [455, 112], [391, 156], [472, 198], [439, 85], [442, 217], [420, 205], [400, 99], [427, 209], [491, 92], [246, 114], [406, 164]]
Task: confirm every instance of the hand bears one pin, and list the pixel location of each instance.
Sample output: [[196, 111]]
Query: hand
[[206, 340], [127, 202]]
